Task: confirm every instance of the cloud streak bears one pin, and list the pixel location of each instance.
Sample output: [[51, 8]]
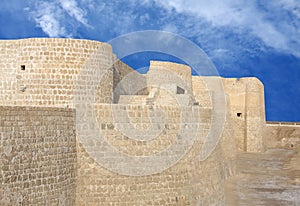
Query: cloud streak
[[241, 25], [47, 17], [70, 6], [58, 18], [246, 16]]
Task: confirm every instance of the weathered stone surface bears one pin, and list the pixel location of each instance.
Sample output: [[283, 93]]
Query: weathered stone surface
[[49, 154], [37, 156]]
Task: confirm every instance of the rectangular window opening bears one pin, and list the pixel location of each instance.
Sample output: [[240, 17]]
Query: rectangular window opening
[[23, 67]]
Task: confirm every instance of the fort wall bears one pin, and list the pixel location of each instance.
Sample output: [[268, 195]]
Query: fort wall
[[127, 81], [188, 182], [44, 72], [50, 155], [37, 156], [282, 135], [169, 73], [247, 109]]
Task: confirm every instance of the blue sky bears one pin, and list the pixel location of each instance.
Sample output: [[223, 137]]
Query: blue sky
[[242, 38]]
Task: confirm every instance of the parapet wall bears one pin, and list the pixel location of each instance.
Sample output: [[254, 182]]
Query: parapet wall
[[37, 156], [282, 135]]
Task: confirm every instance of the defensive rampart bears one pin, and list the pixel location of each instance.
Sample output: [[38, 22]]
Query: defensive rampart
[[37, 156], [56, 148]]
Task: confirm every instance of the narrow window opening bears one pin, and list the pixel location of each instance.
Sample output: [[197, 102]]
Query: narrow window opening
[[238, 114], [23, 67], [180, 90]]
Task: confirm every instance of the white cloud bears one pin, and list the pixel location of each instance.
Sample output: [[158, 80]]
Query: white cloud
[[70, 6], [247, 16], [216, 24], [46, 16], [290, 5], [51, 17]]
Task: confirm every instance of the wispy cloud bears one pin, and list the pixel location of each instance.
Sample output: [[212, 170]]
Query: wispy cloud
[[290, 5], [47, 16], [249, 27], [246, 17], [58, 18], [70, 6]]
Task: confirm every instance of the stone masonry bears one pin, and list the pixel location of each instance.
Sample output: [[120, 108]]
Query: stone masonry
[[69, 108]]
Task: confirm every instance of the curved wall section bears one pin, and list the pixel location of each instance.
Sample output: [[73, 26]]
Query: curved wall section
[[43, 161], [37, 156], [44, 71]]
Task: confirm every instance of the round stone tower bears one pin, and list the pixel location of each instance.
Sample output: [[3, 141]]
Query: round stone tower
[[44, 71]]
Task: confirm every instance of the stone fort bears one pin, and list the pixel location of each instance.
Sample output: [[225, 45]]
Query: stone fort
[[48, 157]]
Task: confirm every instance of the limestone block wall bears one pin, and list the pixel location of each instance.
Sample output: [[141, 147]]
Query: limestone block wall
[[246, 99], [188, 182], [255, 117], [127, 81], [282, 135], [201, 91], [165, 97], [247, 111], [45, 71], [236, 90], [37, 156], [167, 73], [133, 99], [37, 147]]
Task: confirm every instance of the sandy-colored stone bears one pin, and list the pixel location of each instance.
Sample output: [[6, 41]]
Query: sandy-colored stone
[[45, 160]]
